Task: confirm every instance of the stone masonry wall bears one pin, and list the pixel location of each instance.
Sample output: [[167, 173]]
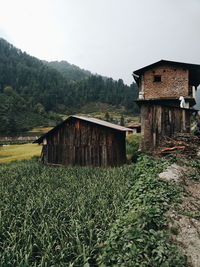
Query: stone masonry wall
[[174, 82]]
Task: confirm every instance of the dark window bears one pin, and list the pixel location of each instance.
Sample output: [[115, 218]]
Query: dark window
[[157, 78]]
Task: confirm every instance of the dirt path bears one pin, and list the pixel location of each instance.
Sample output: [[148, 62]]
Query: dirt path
[[185, 218]]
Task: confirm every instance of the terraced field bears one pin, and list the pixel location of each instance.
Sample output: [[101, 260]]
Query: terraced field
[[19, 152]]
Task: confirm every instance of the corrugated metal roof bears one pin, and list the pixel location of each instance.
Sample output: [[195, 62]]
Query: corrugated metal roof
[[89, 119]]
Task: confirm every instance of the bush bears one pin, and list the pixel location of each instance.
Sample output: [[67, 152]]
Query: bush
[[132, 146], [138, 236]]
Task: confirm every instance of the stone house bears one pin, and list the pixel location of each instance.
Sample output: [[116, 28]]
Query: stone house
[[167, 91]]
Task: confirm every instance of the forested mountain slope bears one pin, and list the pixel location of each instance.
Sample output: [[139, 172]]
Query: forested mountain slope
[[69, 71], [32, 93]]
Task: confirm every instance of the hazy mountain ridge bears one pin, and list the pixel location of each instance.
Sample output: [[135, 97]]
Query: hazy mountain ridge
[[69, 71]]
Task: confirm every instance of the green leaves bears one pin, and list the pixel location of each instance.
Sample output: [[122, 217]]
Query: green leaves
[[57, 216], [132, 144], [70, 216], [137, 237]]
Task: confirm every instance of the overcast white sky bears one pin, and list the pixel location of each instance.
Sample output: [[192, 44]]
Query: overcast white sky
[[109, 37]]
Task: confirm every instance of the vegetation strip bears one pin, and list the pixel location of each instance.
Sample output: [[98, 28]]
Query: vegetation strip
[[139, 235]]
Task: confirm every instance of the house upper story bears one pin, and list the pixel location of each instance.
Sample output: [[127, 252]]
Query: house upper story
[[168, 80]]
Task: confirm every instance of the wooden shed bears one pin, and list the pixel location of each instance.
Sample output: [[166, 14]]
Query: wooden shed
[[84, 141]]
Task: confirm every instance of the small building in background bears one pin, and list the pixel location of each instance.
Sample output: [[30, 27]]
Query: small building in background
[[167, 92], [135, 126], [84, 141]]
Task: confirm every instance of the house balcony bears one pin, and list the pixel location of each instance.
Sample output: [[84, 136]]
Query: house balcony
[[166, 101]]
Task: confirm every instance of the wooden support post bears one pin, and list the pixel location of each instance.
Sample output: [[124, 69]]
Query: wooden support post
[[154, 139], [183, 119]]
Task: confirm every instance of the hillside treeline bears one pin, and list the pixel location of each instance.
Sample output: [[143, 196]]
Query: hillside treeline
[[33, 92], [70, 71]]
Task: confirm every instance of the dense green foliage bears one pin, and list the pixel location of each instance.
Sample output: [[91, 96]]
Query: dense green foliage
[[132, 143], [85, 216], [56, 216], [138, 236], [17, 115], [97, 89], [69, 71], [43, 90]]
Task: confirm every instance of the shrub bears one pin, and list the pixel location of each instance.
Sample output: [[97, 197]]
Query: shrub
[[132, 146], [138, 236]]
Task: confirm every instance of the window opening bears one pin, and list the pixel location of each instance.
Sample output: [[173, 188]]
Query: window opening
[[157, 78]]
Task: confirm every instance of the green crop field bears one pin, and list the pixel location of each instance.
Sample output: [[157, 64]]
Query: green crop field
[[73, 216], [56, 216], [19, 152]]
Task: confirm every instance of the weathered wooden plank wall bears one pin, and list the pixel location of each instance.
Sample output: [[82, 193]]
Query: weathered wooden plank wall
[[85, 144], [159, 121]]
